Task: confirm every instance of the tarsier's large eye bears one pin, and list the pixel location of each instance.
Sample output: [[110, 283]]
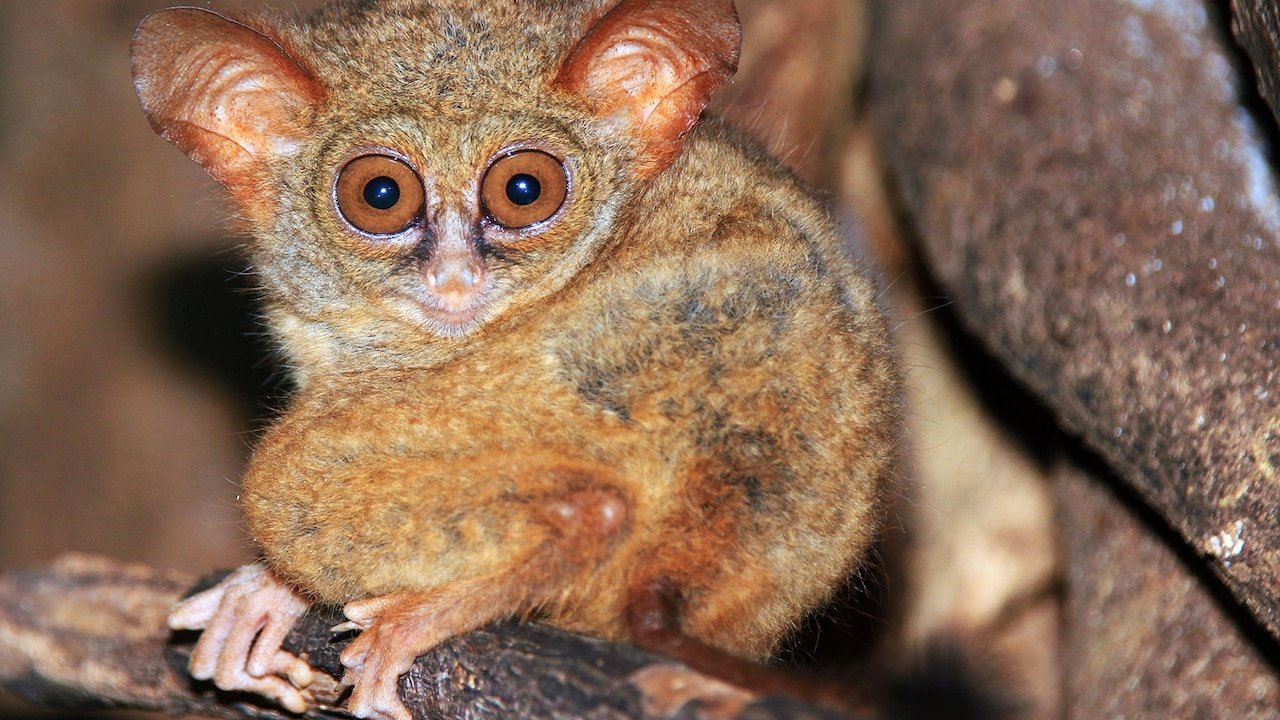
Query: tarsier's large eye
[[379, 194], [524, 188]]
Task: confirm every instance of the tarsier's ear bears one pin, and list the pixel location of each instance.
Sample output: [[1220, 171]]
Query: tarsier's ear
[[226, 94], [651, 65]]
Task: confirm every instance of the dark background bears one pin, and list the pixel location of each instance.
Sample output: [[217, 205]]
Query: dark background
[[130, 379]]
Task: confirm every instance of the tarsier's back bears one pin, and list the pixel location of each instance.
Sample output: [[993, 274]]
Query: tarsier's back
[[558, 343]]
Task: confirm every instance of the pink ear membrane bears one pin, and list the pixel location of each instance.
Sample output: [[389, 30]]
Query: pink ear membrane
[[225, 94], [652, 65]]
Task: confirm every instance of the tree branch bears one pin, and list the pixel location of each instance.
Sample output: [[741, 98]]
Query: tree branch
[[89, 633], [1256, 25]]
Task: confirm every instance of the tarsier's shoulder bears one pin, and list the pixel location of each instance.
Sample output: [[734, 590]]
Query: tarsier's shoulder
[[728, 222], [731, 265]]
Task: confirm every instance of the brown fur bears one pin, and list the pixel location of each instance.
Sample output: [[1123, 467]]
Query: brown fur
[[683, 379]]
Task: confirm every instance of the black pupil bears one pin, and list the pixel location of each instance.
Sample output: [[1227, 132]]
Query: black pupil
[[523, 189], [382, 193]]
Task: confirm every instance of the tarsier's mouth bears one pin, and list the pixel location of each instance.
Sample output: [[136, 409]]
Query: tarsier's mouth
[[454, 322], [449, 319]]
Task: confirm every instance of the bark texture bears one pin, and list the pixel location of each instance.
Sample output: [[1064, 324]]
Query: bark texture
[[1149, 635], [1256, 24], [1089, 185]]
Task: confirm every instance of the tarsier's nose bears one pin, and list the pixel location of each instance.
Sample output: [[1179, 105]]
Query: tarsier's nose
[[453, 275], [455, 271], [454, 278]]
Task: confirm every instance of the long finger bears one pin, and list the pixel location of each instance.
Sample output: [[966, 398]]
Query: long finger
[[268, 644], [209, 648], [196, 611], [234, 659], [275, 688]]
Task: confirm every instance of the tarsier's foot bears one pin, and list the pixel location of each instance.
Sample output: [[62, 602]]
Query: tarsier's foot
[[398, 627], [395, 629], [245, 618]]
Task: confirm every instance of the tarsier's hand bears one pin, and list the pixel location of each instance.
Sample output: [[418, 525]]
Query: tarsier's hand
[[245, 618]]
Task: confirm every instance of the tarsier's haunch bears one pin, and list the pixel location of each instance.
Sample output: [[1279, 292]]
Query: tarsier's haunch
[[559, 341]]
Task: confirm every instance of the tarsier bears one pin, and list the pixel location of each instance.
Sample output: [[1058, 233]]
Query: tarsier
[[561, 344]]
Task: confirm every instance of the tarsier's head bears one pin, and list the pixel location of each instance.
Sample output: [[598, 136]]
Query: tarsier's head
[[412, 170]]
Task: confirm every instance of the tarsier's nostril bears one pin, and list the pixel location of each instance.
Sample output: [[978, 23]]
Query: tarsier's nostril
[[453, 276]]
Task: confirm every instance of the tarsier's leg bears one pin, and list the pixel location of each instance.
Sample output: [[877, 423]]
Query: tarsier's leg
[[245, 618], [396, 628]]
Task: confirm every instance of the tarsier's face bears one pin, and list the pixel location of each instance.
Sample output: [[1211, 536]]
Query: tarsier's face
[[382, 197], [456, 239], [440, 224]]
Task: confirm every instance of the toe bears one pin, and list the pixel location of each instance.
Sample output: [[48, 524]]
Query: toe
[[364, 612], [379, 699], [354, 655]]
